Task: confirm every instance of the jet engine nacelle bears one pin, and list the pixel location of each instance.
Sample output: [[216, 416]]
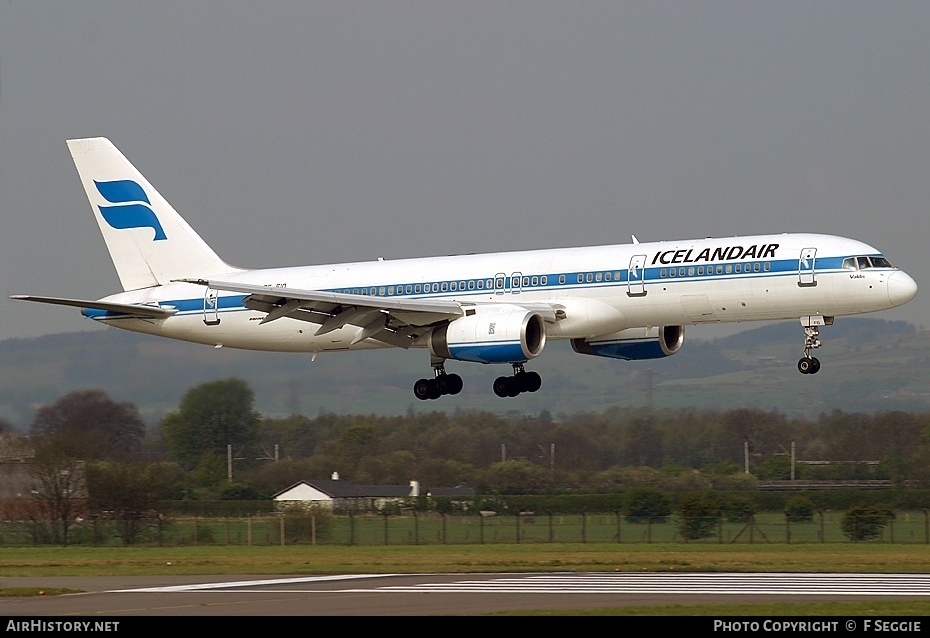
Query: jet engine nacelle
[[633, 344], [514, 336]]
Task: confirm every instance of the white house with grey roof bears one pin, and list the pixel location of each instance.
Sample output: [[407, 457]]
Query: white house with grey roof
[[342, 495]]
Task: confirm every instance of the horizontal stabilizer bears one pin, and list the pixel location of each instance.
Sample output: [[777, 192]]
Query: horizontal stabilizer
[[135, 310]]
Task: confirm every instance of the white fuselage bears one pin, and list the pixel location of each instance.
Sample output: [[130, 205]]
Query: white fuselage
[[602, 289]]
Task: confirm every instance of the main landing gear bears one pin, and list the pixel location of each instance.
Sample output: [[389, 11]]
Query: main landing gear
[[442, 384], [809, 364], [521, 381]]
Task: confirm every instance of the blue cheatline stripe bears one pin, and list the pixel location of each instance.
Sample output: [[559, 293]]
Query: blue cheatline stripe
[[779, 268]]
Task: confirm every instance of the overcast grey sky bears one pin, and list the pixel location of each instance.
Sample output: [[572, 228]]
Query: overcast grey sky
[[303, 132]]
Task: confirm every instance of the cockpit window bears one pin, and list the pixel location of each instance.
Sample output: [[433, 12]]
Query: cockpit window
[[861, 263]]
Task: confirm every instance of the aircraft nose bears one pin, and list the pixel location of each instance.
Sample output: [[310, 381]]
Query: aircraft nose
[[901, 288]]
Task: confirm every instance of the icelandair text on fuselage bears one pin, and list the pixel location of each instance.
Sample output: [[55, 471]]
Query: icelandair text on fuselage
[[723, 253], [62, 625]]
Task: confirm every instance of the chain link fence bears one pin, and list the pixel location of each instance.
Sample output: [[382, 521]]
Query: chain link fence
[[324, 528]]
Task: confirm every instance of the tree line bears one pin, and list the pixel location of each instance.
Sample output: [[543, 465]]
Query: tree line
[[128, 465]]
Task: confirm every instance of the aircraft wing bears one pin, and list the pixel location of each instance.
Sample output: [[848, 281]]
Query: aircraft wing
[[394, 320], [133, 310]]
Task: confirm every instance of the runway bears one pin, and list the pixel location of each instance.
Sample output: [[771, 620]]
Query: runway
[[439, 594]]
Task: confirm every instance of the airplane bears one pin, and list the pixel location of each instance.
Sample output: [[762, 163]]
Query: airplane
[[627, 301]]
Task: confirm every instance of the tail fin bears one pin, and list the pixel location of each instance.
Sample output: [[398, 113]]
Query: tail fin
[[149, 243]]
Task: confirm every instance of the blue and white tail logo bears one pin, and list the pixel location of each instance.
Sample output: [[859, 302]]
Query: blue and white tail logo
[[134, 209]]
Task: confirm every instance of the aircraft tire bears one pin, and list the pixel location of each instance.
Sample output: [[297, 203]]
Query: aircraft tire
[[421, 389], [455, 384], [502, 387], [533, 381]]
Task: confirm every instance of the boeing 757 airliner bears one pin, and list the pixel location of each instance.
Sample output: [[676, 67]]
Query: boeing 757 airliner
[[629, 301]]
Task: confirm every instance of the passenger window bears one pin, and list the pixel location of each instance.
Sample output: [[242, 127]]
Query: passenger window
[[500, 282], [561, 279], [471, 284], [681, 272], [390, 290], [755, 267], [700, 270], [543, 280], [535, 281], [453, 286], [526, 281], [580, 278], [597, 277], [719, 270], [381, 291], [445, 286], [739, 268], [589, 277], [607, 276], [691, 271], [729, 268], [766, 266], [663, 273], [617, 275], [481, 284], [435, 287], [671, 272]]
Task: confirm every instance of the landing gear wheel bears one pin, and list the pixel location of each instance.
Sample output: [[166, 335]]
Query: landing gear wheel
[[809, 365], [502, 387], [421, 389], [533, 381], [443, 383], [455, 383], [521, 381]]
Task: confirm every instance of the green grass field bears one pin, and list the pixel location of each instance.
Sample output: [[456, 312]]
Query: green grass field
[[305, 559], [499, 557]]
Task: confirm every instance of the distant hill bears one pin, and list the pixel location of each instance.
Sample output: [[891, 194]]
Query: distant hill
[[868, 365]]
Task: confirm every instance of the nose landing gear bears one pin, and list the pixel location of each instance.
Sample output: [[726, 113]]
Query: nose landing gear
[[809, 364]]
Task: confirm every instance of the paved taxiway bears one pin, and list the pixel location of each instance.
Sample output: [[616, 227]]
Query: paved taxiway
[[431, 594]]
